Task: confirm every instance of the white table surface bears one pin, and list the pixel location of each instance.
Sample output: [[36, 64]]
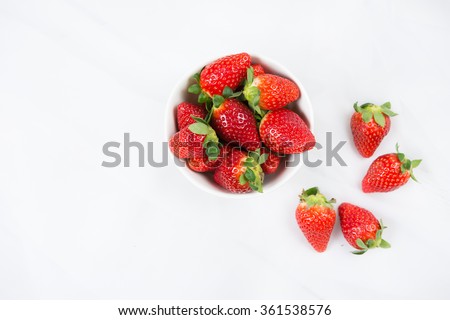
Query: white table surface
[[77, 74]]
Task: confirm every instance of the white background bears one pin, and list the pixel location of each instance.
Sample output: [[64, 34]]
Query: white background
[[77, 74]]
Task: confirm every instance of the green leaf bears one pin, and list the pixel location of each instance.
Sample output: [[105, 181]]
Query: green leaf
[[250, 74], [401, 157], [356, 107], [195, 89], [203, 97], [254, 155], [255, 187], [242, 179], [384, 244], [196, 77], [411, 174], [415, 163], [366, 115], [250, 175], [386, 105], [379, 118], [361, 244], [370, 243], [249, 163], [359, 252], [407, 164], [227, 92], [237, 94], [199, 128], [389, 112], [378, 235], [218, 100], [311, 192], [263, 158], [199, 119]]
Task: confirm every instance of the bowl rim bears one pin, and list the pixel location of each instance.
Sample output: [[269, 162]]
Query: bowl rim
[[168, 124]]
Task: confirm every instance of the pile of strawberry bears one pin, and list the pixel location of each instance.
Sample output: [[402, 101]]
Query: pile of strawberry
[[315, 214], [240, 128]]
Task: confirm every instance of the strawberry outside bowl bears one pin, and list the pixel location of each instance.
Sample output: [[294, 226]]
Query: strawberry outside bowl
[[204, 181]]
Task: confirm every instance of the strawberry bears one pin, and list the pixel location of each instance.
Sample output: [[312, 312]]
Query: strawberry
[[240, 172], [361, 229], [272, 163], [316, 217], [195, 141], [228, 71], [234, 122], [203, 164], [269, 92], [174, 144], [185, 111], [389, 172], [257, 70], [283, 131], [370, 124]]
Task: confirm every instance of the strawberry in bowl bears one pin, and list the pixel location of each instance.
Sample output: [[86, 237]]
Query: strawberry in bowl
[[247, 117]]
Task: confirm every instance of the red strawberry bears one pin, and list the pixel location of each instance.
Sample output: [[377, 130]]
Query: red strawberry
[[228, 71], [240, 172], [174, 144], [370, 124], [316, 217], [195, 141], [185, 111], [389, 172], [257, 70], [283, 131], [272, 162], [234, 122], [361, 229], [269, 92], [203, 164]]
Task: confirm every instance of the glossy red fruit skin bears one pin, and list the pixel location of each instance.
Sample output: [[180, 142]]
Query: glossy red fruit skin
[[257, 70], [234, 122], [357, 222], [190, 145], [228, 173], [368, 136], [227, 71], [283, 131], [203, 164], [174, 144], [385, 174], [272, 163], [316, 223], [184, 112], [275, 92]]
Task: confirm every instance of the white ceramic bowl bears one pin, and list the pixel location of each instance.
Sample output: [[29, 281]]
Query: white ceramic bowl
[[205, 181]]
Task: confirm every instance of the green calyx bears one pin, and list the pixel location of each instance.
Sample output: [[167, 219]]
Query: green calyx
[[253, 174], [195, 88], [211, 142], [217, 100], [252, 95], [370, 110], [214, 101], [312, 197], [407, 165], [378, 242]]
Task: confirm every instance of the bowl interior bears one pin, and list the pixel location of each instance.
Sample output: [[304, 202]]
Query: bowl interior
[[204, 180]]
